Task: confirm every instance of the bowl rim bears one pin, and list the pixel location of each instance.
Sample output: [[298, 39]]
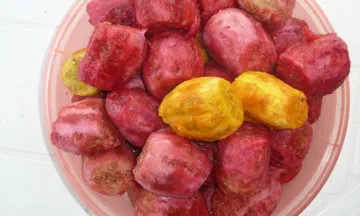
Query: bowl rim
[[77, 190]]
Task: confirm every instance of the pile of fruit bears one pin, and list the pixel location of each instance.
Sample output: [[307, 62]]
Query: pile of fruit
[[201, 107]]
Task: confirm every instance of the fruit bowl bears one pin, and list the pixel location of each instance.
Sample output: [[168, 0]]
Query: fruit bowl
[[329, 131]]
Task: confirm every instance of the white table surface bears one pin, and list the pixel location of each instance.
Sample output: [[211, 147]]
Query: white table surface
[[30, 184]]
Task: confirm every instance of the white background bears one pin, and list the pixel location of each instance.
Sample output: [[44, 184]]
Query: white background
[[29, 182]]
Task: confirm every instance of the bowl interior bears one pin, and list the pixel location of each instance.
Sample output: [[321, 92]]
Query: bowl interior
[[329, 131]]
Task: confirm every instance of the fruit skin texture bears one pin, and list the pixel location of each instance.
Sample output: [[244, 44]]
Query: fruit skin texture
[[317, 68], [289, 147], [148, 203], [170, 165], [135, 82], [315, 105], [274, 12], [284, 175], [222, 205], [162, 15], [134, 113], [243, 160], [211, 150], [107, 62], [211, 69], [70, 77], [109, 172], [84, 128], [291, 33], [269, 100], [207, 193], [202, 109], [238, 42], [119, 12], [171, 60], [262, 203], [211, 7]]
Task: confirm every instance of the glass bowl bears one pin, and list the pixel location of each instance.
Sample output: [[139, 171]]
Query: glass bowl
[[329, 131]]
